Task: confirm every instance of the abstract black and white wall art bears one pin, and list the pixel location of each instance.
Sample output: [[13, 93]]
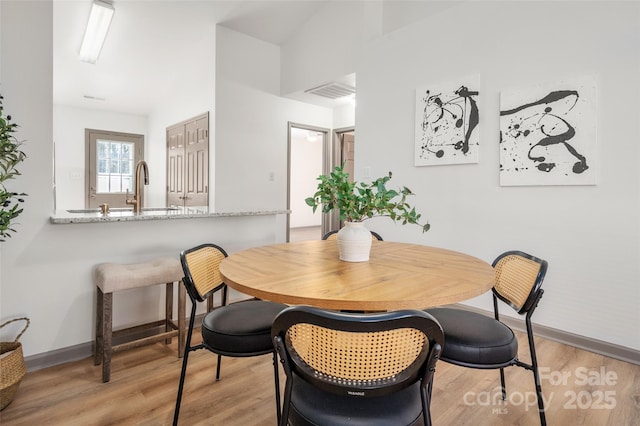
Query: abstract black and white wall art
[[447, 118], [548, 134]]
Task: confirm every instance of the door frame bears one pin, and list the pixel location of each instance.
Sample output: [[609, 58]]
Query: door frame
[[336, 160], [91, 136], [327, 164]]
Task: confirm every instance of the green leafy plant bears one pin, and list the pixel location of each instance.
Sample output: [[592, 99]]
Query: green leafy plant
[[10, 156], [360, 201]]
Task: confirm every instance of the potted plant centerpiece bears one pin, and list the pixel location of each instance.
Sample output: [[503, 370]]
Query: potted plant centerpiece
[[358, 201]]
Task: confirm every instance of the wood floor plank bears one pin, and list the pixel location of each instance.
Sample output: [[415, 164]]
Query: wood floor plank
[[144, 382]]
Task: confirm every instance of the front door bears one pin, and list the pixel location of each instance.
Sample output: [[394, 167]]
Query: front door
[[111, 161]]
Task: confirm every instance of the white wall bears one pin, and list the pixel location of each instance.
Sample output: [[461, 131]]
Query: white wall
[[589, 234], [344, 116], [69, 126], [252, 125]]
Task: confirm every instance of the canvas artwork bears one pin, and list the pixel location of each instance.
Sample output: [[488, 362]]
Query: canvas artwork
[[548, 134], [447, 119]]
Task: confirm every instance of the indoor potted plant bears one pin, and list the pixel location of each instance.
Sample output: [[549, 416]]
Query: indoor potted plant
[[358, 201], [10, 156]]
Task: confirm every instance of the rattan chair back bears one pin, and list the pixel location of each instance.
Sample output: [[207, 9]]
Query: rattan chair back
[[371, 354], [201, 266], [518, 279]]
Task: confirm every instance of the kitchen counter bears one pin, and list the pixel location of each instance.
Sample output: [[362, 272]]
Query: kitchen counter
[[159, 213]]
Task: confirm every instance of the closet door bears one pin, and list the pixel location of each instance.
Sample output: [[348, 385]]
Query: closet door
[[188, 162], [197, 163], [175, 162]]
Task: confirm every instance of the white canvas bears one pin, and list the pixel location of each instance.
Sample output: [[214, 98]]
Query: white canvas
[[447, 119], [548, 134]]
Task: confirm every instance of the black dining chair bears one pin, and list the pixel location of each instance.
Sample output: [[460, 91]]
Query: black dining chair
[[478, 341], [334, 234], [356, 369], [240, 329]]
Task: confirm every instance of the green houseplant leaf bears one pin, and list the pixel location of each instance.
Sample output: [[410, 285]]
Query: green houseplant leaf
[[10, 156], [360, 201]]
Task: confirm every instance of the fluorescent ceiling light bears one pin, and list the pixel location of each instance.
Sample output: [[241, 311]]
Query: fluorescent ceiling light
[[97, 27]]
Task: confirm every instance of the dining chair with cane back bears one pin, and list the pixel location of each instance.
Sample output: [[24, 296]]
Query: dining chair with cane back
[[356, 369], [478, 341], [240, 329], [334, 234]]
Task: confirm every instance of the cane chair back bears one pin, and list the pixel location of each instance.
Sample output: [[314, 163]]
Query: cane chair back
[[518, 279], [201, 266], [361, 355]]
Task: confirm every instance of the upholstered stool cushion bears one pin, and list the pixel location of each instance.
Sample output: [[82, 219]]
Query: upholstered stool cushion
[[310, 405], [242, 327], [112, 277], [474, 338]]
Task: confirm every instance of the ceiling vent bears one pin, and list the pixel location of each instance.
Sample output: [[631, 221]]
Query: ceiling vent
[[332, 90]]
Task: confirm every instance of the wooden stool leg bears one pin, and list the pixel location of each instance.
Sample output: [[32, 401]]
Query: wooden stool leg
[[97, 354], [182, 311], [107, 333], [168, 310]]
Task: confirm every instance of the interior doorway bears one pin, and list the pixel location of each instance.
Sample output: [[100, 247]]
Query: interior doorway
[[309, 155], [344, 142]]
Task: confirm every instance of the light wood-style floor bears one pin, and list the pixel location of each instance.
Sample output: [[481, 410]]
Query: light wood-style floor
[[595, 391]]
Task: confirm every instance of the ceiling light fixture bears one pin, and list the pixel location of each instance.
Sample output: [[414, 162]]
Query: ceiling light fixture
[[97, 27]]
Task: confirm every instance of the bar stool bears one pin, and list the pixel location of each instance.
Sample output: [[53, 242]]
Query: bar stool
[[112, 277]]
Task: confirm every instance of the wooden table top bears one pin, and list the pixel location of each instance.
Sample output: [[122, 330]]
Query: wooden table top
[[397, 276]]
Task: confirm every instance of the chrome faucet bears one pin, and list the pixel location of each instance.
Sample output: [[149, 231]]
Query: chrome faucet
[[138, 195]]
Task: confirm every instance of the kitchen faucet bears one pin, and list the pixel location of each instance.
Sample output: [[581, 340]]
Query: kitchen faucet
[[138, 195]]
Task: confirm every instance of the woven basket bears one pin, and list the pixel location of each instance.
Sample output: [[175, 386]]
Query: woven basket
[[12, 366]]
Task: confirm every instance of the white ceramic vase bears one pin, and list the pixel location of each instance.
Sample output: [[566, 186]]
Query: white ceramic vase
[[354, 242]]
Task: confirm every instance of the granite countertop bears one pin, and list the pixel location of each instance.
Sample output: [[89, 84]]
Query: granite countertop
[[160, 213]]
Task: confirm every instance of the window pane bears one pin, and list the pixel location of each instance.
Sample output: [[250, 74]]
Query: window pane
[[103, 184], [102, 166], [115, 183], [103, 147], [127, 183], [125, 167], [115, 166]]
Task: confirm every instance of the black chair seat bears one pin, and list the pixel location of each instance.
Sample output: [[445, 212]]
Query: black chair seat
[[472, 338], [242, 328], [325, 408]]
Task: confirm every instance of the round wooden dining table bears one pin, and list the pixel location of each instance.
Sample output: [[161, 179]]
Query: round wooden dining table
[[397, 276]]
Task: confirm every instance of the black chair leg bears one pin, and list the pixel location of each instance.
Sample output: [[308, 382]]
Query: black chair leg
[[534, 365], [536, 379], [218, 367], [276, 375], [503, 386], [187, 348], [176, 412]]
